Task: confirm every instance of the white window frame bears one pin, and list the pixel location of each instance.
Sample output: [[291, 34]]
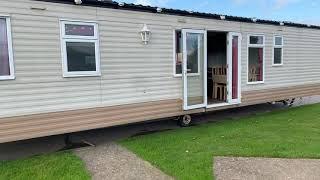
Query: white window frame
[[264, 60], [174, 57], [94, 24], [74, 38], [10, 50], [277, 46]]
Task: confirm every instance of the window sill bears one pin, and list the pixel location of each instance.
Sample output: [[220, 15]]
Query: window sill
[[255, 83], [74, 75], [277, 65], [7, 78], [189, 75]]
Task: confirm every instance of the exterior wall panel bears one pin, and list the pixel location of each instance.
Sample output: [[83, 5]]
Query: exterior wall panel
[[33, 126], [131, 71]]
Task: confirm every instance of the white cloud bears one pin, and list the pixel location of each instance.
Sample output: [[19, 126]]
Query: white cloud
[[240, 2], [313, 22], [143, 2], [160, 3], [278, 4], [314, 3], [201, 6]]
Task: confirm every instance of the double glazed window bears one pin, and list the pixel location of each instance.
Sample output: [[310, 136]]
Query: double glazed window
[[80, 49], [193, 47], [278, 51], [256, 59], [6, 57]]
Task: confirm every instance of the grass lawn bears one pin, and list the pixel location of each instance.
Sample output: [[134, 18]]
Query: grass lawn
[[188, 153], [63, 165]]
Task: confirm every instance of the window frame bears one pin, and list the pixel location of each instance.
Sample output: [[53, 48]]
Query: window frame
[[10, 50], [277, 46], [174, 56], [74, 38], [94, 24], [263, 49]]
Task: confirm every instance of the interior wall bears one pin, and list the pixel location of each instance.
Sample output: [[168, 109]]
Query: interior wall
[[217, 49], [217, 55]]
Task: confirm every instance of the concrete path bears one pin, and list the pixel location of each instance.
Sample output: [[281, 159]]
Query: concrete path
[[113, 162], [229, 168]]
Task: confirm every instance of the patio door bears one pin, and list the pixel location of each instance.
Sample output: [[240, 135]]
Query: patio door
[[194, 66], [234, 68]]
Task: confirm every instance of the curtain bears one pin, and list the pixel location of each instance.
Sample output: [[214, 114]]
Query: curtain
[[235, 67], [260, 56], [4, 53]]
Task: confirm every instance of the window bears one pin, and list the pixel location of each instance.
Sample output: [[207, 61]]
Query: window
[[256, 59], [6, 57], [80, 49], [278, 51], [256, 40], [178, 53], [193, 56], [193, 47]]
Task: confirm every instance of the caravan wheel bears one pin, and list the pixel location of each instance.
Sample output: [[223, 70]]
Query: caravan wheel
[[185, 121]]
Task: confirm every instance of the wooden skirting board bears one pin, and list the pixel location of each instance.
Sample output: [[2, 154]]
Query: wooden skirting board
[[33, 126], [276, 94]]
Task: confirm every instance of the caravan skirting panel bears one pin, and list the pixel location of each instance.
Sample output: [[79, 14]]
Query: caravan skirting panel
[[39, 125], [32, 126], [276, 94]]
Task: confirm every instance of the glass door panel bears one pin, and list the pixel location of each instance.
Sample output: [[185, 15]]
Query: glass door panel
[[235, 77], [194, 58], [234, 63]]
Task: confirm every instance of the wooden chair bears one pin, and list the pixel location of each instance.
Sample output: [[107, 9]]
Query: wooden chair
[[219, 79], [224, 70], [253, 74], [219, 89]]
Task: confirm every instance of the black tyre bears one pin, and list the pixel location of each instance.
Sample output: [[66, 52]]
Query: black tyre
[[185, 121]]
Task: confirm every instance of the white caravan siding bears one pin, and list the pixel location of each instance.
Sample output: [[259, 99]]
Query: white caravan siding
[[131, 72], [301, 59]]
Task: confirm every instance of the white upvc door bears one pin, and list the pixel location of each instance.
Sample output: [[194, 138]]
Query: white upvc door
[[234, 68], [194, 68]]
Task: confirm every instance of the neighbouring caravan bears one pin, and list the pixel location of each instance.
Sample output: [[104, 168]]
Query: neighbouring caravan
[[68, 67]]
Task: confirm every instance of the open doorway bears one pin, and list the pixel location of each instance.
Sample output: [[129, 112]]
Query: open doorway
[[217, 67], [208, 52]]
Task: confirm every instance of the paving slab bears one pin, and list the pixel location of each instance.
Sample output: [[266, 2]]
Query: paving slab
[[239, 168], [113, 162]]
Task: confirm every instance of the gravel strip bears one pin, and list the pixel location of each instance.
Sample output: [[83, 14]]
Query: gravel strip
[[113, 162], [230, 168]]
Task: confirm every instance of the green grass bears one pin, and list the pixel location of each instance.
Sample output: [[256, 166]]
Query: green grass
[[188, 153], [62, 166]]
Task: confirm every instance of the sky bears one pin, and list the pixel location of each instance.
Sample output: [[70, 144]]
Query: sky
[[302, 11]]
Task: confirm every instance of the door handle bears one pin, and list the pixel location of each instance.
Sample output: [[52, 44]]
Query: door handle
[[187, 71]]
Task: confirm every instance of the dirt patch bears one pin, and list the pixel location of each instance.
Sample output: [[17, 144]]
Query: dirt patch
[[113, 162], [227, 168]]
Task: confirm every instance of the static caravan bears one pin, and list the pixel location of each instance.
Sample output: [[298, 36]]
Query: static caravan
[[68, 66]]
